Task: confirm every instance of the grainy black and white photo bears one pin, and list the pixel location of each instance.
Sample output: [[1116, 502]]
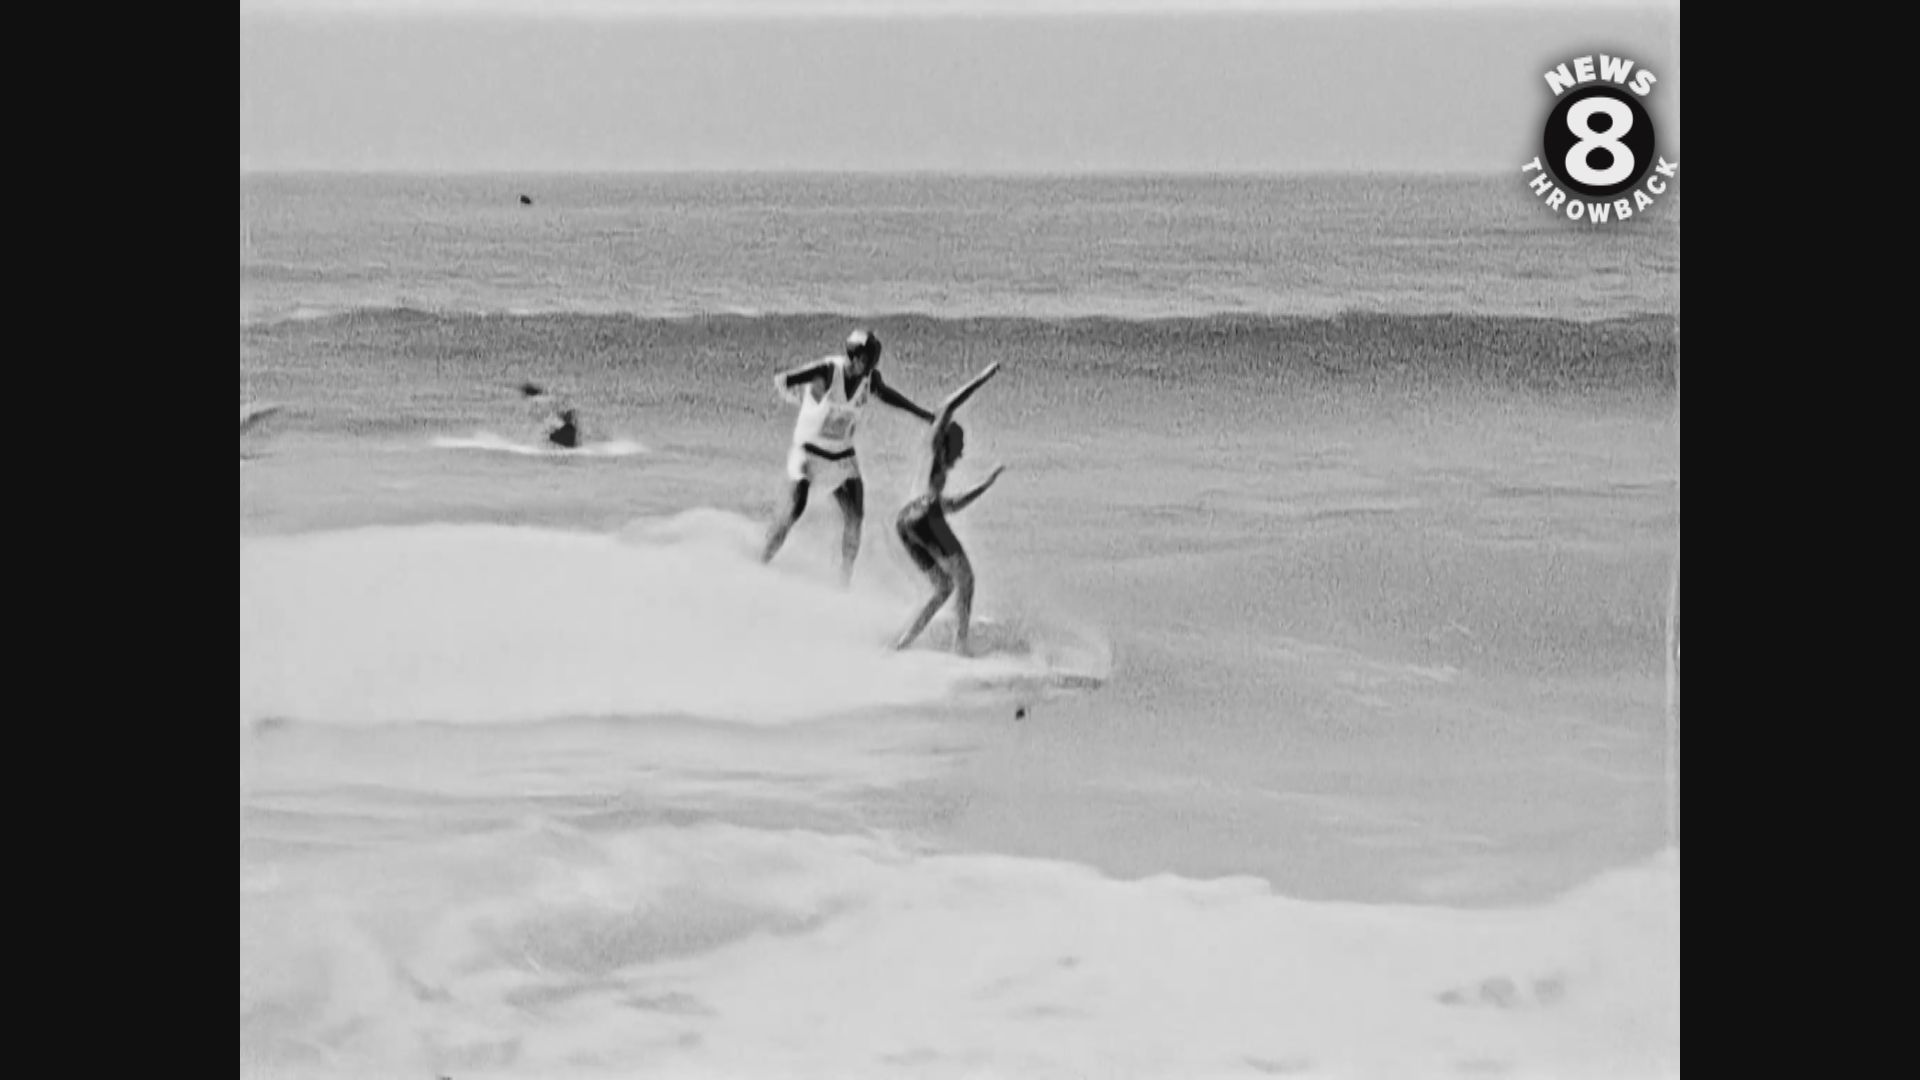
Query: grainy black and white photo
[[959, 539]]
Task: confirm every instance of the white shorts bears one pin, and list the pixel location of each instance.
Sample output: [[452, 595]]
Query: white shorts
[[825, 474]]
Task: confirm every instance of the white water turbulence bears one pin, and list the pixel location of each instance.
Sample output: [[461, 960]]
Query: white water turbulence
[[723, 951], [500, 444], [492, 624]]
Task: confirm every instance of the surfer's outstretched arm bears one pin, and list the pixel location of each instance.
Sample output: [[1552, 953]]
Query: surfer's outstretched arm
[[794, 377], [958, 398], [960, 502], [897, 399]]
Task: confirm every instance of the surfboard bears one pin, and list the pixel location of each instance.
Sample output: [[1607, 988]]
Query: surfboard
[[1011, 659], [498, 445], [1023, 684], [251, 415], [1037, 681]]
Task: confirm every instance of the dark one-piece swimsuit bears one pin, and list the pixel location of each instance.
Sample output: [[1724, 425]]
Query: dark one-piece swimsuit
[[915, 525]]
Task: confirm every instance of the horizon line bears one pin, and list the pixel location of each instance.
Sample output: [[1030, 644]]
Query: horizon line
[[708, 11], [1013, 173]]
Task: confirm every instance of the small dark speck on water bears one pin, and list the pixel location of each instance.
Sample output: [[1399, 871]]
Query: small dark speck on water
[[1020, 713], [524, 201]]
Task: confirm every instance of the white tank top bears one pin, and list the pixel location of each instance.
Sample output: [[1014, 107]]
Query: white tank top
[[828, 422]]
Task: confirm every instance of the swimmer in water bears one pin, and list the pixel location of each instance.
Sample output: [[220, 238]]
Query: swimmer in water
[[560, 421], [564, 429], [923, 528]]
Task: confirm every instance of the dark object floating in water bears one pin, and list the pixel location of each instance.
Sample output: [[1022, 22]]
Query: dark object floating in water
[[568, 433], [1020, 713], [524, 201], [531, 389]]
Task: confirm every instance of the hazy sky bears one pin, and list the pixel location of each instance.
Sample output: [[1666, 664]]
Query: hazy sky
[[961, 85]]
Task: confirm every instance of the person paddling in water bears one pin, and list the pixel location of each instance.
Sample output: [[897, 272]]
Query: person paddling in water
[[560, 422], [831, 394], [923, 528]]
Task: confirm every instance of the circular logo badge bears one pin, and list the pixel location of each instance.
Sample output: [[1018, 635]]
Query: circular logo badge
[[1599, 141]]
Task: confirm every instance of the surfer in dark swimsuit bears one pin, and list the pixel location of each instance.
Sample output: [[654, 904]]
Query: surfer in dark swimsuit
[[922, 523], [562, 421]]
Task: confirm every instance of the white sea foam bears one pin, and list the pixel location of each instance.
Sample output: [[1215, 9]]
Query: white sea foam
[[719, 951], [490, 624], [500, 444]]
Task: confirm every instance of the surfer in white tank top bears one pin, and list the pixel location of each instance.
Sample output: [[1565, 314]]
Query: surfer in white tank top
[[832, 393], [826, 422]]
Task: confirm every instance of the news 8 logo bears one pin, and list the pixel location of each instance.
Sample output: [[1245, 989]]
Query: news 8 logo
[[1599, 143]]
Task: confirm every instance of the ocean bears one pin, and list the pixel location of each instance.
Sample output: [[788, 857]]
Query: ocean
[[1319, 725]]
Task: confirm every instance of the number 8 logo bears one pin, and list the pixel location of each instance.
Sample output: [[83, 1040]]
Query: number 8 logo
[[1594, 124], [1579, 121]]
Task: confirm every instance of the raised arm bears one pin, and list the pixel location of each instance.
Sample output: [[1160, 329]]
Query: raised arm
[[895, 398], [959, 398], [960, 502], [794, 377]]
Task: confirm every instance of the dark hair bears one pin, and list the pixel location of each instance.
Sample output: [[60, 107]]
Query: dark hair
[[953, 442], [863, 343]]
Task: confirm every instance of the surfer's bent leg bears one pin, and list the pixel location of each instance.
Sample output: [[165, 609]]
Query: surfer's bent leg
[[960, 569], [920, 527], [851, 496], [937, 533], [943, 588], [790, 511], [912, 529]]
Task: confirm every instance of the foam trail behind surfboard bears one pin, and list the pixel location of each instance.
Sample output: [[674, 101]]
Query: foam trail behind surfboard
[[487, 441]]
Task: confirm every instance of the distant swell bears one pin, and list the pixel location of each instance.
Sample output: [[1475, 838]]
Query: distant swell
[[1171, 311], [1635, 350]]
